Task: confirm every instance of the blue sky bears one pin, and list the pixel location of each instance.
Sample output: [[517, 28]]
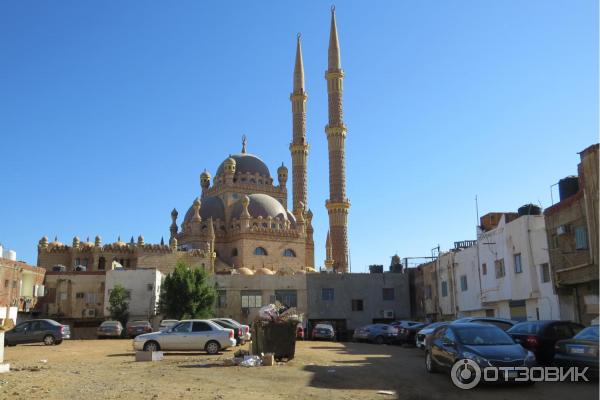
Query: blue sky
[[110, 110]]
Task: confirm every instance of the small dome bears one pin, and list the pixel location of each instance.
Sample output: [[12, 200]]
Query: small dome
[[245, 271], [205, 174], [246, 162], [309, 269], [55, 243], [261, 205], [87, 244], [282, 170], [211, 207], [264, 271], [119, 243]]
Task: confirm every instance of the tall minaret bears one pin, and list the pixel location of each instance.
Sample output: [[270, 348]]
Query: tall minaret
[[299, 146], [337, 205]]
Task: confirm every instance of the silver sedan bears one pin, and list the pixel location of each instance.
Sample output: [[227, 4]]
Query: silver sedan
[[194, 334]]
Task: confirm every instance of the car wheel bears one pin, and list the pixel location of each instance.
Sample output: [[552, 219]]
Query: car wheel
[[49, 340], [212, 347], [430, 364], [379, 340], [151, 346]]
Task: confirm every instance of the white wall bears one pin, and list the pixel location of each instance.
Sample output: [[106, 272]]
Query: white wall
[[144, 286], [468, 301]]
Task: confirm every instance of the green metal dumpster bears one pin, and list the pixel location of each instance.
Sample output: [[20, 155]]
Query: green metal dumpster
[[278, 338]]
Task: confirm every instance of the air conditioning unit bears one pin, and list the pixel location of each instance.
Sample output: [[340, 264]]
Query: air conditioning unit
[[388, 313], [562, 230], [81, 268], [40, 290], [59, 268], [89, 313]]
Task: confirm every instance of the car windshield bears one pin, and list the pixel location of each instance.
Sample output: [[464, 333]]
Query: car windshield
[[589, 333], [323, 326], [434, 325], [529, 328], [482, 336], [139, 323], [109, 323]]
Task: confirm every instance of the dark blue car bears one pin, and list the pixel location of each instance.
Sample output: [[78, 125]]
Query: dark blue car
[[45, 331]]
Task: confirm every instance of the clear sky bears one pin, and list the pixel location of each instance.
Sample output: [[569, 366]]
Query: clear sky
[[110, 110]]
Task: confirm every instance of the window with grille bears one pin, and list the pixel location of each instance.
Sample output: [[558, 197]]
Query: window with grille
[[288, 298], [251, 299], [581, 240], [484, 269], [545, 272], [444, 288], [463, 283], [221, 299], [357, 305], [518, 265], [327, 294], [499, 266]]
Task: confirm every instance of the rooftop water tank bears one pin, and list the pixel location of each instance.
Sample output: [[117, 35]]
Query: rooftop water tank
[[567, 187], [529, 209], [10, 254]]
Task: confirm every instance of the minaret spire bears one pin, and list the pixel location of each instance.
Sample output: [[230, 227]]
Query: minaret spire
[[299, 145], [335, 62], [338, 204]]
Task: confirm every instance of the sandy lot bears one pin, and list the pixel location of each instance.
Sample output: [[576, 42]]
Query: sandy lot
[[105, 369]]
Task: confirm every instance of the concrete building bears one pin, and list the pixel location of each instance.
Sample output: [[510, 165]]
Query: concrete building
[[74, 295], [21, 284], [241, 296], [143, 288], [430, 290], [572, 234], [353, 300]]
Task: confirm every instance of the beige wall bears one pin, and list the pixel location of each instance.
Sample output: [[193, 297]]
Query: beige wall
[[62, 298]]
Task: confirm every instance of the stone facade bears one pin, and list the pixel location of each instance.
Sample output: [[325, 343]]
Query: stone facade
[[572, 233], [74, 295], [21, 285]]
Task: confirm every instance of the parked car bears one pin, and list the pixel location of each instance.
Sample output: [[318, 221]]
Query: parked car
[[187, 335], [46, 331], [246, 335], [300, 332], [409, 335], [424, 335], [323, 331], [237, 330], [404, 324], [166, 324], [135, 328], [581, 351], [502, 323], [487, 345], [541, 336], [109, 329], [376, 333]]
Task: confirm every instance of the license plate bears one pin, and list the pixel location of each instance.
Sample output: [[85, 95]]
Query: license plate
[[576, 349]]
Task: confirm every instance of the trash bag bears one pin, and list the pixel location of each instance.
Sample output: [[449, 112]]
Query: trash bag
[[251, 361], [268, 312]]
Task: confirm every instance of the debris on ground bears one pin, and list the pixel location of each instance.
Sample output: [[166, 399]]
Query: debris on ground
[[251, 361], [387, 392]]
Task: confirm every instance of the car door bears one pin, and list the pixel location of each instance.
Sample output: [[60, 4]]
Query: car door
[[202, 332], [178, 338], [18, 334], [437, 346], [448, 352], [36, 332]]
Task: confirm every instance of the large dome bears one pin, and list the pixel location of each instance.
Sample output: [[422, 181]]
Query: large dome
[[246, 162], [210, 207], [261, 205]]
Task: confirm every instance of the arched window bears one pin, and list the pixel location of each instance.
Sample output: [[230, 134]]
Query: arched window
[[260, 251], [289, 253], [101, 264], [234, 252]]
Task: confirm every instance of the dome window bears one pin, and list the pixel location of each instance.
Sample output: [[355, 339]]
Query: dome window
[[289, 253], [260, 251], [234, 252]]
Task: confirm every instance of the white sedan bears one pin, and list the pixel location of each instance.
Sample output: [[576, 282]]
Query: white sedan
[[193, 334]]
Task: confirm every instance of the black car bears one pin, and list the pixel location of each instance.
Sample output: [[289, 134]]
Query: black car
[[541, 336], [45, 331], [581, 351], [237, 330], [487, 345], [504, 324], [408, 335]]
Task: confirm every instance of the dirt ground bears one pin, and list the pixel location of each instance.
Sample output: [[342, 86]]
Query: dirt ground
[[105, 369]]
